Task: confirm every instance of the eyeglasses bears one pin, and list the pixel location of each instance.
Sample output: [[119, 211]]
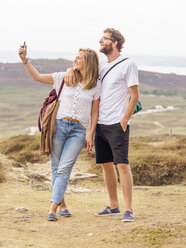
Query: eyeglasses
[[103, 38]]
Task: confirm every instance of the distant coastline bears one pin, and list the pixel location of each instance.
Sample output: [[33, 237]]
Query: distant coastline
[[163, 69], [159, 64]]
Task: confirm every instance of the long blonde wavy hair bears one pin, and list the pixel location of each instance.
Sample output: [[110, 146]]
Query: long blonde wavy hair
[[90, 70]]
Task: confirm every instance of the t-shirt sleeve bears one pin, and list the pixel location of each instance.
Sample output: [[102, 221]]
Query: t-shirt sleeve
[[97, 91], [102, 61], [57, 77], [132, 74]]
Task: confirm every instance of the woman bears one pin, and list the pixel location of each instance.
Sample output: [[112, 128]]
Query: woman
[[77, 104]]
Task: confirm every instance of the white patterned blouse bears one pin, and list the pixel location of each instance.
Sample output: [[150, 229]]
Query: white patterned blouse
[[74, 102]]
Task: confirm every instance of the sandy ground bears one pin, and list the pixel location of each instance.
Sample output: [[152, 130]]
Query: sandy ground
[[159, 218]]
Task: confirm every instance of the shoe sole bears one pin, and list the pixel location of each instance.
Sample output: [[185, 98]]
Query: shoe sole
[[64, 216], [52, 219], [127, 220], [106, 214]]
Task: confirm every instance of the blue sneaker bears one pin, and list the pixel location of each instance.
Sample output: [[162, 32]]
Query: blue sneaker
[[65, 213], [128, 216], [107, 211], [52, 217]]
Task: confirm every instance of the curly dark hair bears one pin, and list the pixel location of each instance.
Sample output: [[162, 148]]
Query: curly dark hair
[[116, 36]]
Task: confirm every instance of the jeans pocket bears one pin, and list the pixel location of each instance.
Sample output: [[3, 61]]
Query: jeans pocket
[[81, 126], [57, 121]]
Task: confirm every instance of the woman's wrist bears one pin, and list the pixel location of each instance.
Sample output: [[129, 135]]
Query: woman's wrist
[[91, 134], [25, 61]]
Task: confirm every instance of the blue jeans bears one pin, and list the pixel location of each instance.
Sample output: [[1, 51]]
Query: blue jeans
[[67, 143]]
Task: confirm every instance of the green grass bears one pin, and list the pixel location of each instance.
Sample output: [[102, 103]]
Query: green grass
[[20, 105], [149, 237], [148, 124], [149, 90]]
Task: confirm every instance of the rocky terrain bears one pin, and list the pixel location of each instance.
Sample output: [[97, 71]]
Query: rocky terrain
[[25, 199]]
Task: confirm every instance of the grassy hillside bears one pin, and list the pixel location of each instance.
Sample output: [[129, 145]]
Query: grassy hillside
[[21, 100], [22, 97], [15, 73], [161, 122], [20, 111], [163, 81]]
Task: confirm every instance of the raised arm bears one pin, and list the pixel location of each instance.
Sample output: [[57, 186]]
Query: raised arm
[[43, 78]]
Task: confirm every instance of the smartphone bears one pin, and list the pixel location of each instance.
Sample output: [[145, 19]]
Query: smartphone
[[24, 44]]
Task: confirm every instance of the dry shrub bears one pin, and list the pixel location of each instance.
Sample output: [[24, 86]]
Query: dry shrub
[[2, 175], [161, 165], [14, 148], [23, 148], [153, 170], [178, 145]]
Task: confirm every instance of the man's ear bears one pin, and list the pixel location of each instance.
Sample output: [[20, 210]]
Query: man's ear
[[115, 43]]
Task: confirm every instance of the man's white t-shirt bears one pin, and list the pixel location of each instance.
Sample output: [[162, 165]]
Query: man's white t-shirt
[[114, 91]]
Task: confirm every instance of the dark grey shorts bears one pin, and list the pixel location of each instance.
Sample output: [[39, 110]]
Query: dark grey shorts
[[111, 144]]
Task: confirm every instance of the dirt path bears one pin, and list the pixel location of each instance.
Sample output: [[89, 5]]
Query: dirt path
[[158, 124], [25, 201], [159, 213]]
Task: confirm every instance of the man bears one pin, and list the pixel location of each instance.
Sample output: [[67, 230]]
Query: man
[[119, 97]]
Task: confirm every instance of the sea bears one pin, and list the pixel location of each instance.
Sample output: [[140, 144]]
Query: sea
[[164, 69]]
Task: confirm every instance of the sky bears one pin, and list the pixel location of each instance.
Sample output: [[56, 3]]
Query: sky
[[150, 27]]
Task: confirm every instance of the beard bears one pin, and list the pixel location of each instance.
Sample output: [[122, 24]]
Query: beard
[[106, 49]]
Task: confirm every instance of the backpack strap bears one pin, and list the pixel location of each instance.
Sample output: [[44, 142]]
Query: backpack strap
[[112, 68], [52, 97], [62, 84]]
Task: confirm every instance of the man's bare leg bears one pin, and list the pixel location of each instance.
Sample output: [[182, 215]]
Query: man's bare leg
[[126, 184], [111, 183]]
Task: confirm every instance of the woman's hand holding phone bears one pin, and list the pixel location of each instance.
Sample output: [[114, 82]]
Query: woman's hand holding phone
[[23, 51]]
